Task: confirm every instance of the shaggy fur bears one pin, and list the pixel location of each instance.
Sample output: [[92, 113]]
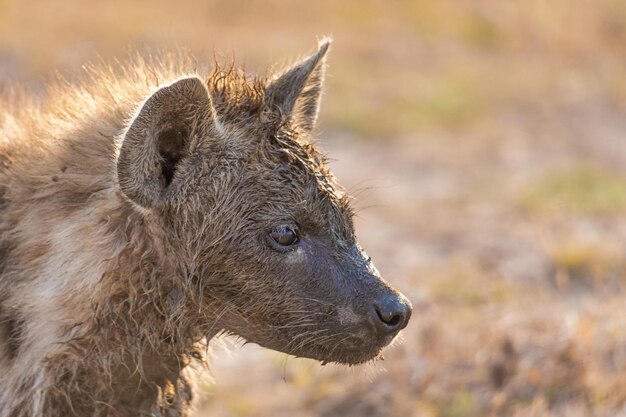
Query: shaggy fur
[[134, 212]]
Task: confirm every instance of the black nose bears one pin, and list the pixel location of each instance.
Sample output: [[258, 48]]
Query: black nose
[[391, 313]]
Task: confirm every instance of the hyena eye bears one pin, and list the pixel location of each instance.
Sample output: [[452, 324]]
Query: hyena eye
[[284, 236]]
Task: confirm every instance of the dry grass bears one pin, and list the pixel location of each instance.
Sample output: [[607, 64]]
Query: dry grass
[[493, 136], [580, 189]]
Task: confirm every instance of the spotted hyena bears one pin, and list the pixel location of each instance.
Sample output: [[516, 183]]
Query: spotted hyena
[[145, 209]]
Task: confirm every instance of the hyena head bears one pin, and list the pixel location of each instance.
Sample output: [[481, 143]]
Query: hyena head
[[260, 232]]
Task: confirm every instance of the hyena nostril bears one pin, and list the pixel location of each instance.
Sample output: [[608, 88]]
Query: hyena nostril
[[391, 313], [394, 320]]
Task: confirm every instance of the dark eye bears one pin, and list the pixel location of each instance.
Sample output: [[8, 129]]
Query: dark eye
[[284, 236]]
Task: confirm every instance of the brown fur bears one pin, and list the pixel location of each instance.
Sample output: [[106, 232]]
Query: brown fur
[[133, 208]]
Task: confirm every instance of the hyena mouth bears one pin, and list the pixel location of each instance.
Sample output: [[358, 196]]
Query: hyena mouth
[[355, 339], [345, 349]]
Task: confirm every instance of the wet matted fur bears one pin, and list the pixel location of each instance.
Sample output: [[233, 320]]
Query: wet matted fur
[[147, 208]]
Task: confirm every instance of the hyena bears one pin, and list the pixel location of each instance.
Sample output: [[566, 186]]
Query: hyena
[[147, 209]]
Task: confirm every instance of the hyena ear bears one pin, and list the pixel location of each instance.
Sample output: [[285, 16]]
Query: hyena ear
[[159, 138], [296, 93]]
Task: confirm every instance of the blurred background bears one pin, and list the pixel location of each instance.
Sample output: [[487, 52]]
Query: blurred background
[[485, 143]]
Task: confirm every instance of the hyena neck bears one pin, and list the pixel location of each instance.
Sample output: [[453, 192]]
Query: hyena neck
[[108, 323], [141, 327]]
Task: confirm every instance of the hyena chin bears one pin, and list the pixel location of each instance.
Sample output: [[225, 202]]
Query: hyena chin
[[146, 209]]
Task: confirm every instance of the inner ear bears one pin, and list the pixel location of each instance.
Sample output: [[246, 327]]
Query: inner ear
[[172, 147], [159, 138]]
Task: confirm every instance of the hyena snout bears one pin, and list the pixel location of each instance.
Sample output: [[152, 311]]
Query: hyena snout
[[390, 313]]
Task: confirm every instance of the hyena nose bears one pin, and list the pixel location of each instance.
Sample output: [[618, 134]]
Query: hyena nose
[[391, 313]]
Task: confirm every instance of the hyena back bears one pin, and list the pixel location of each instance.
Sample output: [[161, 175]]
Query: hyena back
[[147, 210]]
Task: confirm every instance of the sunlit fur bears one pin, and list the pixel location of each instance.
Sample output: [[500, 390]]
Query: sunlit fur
[[104, 299]]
